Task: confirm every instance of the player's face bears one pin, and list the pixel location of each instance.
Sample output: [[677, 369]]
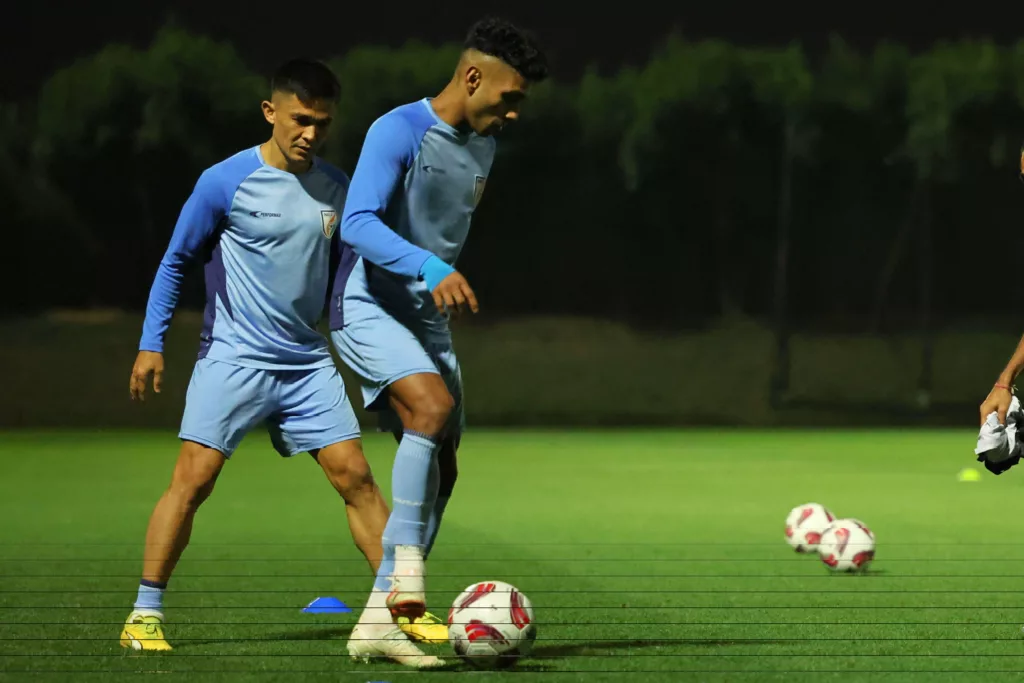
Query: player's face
[[495, 94], [300, 128]]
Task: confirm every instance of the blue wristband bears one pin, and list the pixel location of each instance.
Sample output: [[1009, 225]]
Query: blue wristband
[[433, 271]]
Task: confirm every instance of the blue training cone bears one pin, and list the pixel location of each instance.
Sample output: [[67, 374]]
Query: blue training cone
[[327, 606]]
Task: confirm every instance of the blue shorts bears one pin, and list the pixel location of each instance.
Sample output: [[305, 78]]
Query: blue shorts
[[381, 350], [303, 410]]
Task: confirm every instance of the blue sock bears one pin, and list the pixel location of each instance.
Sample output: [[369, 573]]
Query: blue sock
[[414, 482], [434, 523], [387, 566], [151, 596]]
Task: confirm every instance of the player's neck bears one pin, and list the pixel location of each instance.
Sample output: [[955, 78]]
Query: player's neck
[[273, 157], [449, 108]]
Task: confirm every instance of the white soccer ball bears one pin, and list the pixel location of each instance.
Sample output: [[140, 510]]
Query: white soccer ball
[[805, 525], [490, 625], [848, 545]]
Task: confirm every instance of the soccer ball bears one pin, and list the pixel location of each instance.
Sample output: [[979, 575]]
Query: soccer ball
[[805, 525], [490, 625], [848, 545]]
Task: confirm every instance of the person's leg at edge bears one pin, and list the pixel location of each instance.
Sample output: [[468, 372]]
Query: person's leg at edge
[[375, 634], [348, 472], [168, 533], [423, 404], [430, 628]]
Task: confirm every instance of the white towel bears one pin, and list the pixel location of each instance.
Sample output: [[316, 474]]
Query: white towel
[[998, 445]]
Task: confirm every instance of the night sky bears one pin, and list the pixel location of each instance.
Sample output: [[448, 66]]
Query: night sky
[[575, 37]]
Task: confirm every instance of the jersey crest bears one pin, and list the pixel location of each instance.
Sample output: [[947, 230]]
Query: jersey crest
[[330, 222], [478, 189]]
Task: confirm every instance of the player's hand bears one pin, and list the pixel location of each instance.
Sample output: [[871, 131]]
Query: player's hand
[[998, 402], [146, 363], [454, 294]]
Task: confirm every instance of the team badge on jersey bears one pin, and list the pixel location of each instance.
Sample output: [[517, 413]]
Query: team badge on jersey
[[478, 189], [330, 221]]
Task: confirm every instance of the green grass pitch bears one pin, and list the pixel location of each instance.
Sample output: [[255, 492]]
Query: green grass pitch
[[649, 556]]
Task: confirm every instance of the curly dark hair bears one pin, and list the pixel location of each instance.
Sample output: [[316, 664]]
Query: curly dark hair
[[517, 48]]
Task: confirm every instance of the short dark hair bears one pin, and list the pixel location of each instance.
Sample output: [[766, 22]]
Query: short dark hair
[[307, 79], [517, 48]]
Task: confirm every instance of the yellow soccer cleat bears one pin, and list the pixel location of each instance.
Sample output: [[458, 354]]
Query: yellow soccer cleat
[[144, 631], [426, 629]]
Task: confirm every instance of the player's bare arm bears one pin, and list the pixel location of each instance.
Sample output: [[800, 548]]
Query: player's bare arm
[[998, 399]]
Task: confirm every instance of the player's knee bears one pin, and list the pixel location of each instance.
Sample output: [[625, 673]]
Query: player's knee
[[431, 412], [348, 471], [196, 473], [423, 402]]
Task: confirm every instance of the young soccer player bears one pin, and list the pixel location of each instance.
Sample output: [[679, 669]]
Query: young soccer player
[[420, 175], [264, 222]]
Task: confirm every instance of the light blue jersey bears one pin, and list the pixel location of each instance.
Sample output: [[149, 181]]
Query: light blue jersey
[[406, 220], [407, 217], [266, 236]]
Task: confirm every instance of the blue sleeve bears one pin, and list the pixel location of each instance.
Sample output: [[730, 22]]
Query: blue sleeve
[[388, 152], [196, 224]]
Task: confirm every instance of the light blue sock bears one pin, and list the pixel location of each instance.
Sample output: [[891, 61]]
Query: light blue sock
[[151, 596], [387, 566], [414, 482]]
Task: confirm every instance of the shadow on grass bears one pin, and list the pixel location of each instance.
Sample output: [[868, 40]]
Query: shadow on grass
[[332, 633], [540, 660]]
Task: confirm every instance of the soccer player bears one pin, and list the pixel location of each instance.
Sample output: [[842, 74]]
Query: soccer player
[[264, 223], [420, 175]]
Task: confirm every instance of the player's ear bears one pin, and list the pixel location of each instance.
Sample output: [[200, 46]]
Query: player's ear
[[473, 79], [268, 111]]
